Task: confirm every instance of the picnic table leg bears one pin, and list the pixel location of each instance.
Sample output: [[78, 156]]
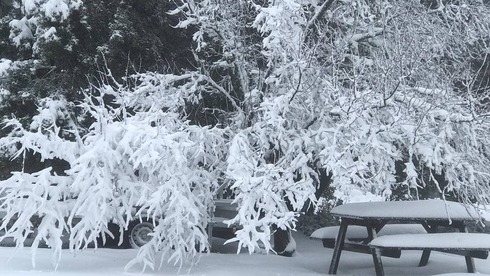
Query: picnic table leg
[[210, 234], [376, 252], [425, 257], [424, 260], [470, 264], [378, 265], [339, 245]]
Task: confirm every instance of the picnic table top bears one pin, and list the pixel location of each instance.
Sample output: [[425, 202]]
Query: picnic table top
[[431, 209]]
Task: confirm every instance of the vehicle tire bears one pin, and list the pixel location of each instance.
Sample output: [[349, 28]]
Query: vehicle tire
[[138, 233]]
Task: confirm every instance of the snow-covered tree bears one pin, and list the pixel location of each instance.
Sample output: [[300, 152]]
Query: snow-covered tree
[[354, 87], [39, 19]]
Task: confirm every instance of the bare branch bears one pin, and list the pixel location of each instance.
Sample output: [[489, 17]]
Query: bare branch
[[323, 8], [223, 91]]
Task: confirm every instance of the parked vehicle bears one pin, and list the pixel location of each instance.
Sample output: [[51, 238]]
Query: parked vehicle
[[138, 232]]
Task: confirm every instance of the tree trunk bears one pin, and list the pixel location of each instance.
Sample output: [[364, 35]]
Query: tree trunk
[[284, 243]]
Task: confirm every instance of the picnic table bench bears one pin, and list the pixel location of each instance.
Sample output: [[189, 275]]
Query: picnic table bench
[[471, 245], [357, 236]]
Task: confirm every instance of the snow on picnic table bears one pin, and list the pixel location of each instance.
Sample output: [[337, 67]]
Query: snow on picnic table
[[431, 209], [311, 259], [360, 232], [436, 240]]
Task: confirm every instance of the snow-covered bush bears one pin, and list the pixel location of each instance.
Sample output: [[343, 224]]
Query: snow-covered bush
[[144, 158]]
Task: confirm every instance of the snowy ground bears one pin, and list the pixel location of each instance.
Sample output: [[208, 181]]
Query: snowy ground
[[311, 259]]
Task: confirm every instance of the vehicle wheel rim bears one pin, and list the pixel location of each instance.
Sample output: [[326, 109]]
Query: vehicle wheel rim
[[140, 234]]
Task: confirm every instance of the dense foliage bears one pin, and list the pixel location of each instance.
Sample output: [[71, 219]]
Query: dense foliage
[[157, 105]]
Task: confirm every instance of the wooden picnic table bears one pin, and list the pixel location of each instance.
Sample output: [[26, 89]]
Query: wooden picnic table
[[432, 214]]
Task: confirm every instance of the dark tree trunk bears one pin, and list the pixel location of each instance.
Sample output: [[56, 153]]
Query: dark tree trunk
[[325, 179], [282, 238]]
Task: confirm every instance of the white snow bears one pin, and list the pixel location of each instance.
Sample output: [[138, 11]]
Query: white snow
[[354, 194], [433, 208], [50, 34], [21, 30], [353, 232], [310, 259], [435, 240], [54, 8], [4, 66], [360, 232]]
